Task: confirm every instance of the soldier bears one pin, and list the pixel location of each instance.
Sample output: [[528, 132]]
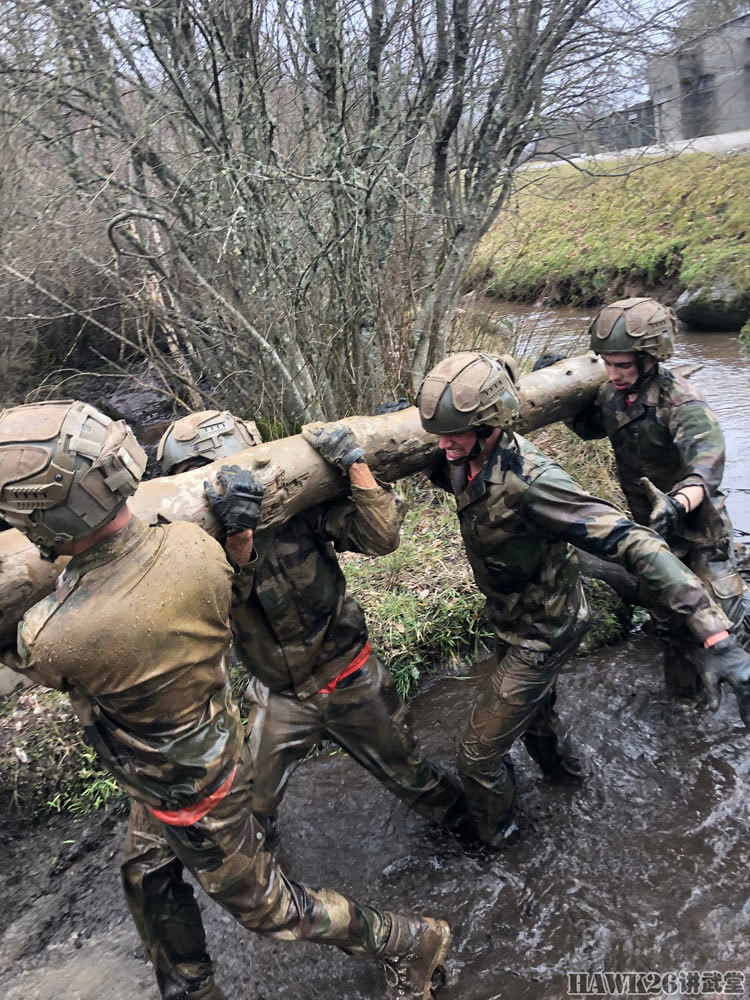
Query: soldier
[[302, 637], [137, 633], [520, 514], [669, 450]]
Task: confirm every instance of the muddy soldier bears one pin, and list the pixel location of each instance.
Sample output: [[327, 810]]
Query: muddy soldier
[[137, 633], [301, 636], [520, 514], [669, 450]]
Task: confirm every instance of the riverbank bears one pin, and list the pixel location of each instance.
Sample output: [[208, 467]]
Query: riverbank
[[581, 236]]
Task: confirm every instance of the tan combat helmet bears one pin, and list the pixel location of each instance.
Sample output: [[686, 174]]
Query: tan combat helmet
[[469, 390], [65, 470], [205, 435], [634, 326]]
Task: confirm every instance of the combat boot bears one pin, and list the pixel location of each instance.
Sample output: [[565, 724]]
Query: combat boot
[[414, 952]]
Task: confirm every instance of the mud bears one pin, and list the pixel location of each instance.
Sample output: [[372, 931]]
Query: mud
[[642, 868]]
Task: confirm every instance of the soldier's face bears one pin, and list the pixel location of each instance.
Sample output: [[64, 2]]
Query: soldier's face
[[622, 370], [457, 446]]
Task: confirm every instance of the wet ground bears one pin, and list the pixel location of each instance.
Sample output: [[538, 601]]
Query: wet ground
[[643, 868]]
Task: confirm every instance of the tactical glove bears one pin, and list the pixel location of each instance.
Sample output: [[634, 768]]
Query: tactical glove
[[335, 443], [667, 514], [727, 662], [238, 507]]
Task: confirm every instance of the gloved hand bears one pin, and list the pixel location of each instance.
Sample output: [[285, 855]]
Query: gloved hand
[[667, 514], [238, 507], [335, 443], [727, 662]]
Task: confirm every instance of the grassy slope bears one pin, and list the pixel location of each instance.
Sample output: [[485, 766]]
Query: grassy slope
[[579, 237]]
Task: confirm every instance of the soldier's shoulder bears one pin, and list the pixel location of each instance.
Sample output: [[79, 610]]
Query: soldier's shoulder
[[191, 539], [674, 390], [517, 467]]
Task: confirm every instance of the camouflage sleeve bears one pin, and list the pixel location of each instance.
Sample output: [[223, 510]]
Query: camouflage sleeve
[[560, 509], [22, 661], [588, 424], [438, 474], [242, 580], [699, 439], [368, 522]]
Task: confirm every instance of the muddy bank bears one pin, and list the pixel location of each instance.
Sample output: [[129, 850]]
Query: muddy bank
[[643, 868]]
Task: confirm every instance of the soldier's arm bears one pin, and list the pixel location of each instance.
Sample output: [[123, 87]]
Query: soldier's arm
[[23, 662], [556, 506], [588, 423], [698, 437], [369, 521]]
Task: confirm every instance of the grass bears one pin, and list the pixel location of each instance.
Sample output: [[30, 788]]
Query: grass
[[578, 238]]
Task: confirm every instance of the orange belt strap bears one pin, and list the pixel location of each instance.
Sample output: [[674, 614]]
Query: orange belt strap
[[356, 663], [191, 814]]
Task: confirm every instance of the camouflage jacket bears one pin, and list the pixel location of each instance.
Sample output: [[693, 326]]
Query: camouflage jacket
[[669, 434], [136, 632], [519, 518], [295, 626]]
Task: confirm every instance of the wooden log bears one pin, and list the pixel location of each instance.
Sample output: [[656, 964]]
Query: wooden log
[[295, 476]]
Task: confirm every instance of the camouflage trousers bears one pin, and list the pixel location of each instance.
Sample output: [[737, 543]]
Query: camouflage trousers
[[717, 569], [518, 701], [366, 716], [226, 853]]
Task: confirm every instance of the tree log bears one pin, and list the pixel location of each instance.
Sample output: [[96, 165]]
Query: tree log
[[295, 476]]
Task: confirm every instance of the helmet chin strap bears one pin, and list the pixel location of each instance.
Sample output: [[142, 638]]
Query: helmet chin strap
[[643, 374]]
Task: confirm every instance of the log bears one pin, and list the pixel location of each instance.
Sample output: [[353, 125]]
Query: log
[[295, 476]]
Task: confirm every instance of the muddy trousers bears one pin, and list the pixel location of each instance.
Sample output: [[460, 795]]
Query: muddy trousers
[[519, 701], [717, 569], [226, 853], [366, 716]]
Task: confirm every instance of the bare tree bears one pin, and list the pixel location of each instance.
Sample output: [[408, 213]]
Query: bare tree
[[291, 191]]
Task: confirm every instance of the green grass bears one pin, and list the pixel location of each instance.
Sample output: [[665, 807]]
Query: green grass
[[580, 238]]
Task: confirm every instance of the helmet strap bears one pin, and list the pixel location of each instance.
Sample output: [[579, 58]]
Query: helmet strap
[[643, 375]]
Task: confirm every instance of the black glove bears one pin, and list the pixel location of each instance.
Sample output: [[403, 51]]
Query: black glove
[[667, 514], [727, 662], [335, 443], [238, 507]]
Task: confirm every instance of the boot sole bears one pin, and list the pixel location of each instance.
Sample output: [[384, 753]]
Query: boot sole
[[437, 965]]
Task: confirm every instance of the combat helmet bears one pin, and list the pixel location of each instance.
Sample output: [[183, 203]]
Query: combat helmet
[[634, 326], [206, 435], [66, 469], [469, 390]]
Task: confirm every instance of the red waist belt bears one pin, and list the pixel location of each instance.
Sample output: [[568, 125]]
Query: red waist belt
[[354, 666], [191, 814]]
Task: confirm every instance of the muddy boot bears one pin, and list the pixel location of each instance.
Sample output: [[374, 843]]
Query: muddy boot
[[415, 951]]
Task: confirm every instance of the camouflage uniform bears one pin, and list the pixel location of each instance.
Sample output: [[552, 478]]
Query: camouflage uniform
[[519, 518], [671, 436], [137, 633], [297, 630]]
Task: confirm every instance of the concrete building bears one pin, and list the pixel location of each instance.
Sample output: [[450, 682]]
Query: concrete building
[[703, 87]]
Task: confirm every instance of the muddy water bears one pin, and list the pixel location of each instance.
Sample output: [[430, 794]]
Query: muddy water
[[643, 868], [724, 378]]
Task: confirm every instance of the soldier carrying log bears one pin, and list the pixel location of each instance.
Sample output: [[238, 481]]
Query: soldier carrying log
[[520, 514]]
